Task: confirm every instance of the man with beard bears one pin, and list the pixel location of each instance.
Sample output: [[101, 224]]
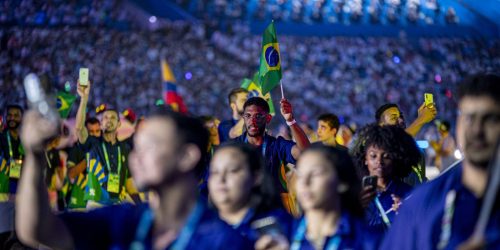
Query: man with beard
[[443, 213], [11, 157], [390, 114], [108, 178], [230, 129], [277, 152]]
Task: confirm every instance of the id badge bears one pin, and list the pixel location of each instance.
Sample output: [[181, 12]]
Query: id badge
[[114, 183], [15, 169]]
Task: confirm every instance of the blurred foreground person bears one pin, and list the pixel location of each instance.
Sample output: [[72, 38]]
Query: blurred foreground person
[[244, 194], [327, 190], [442, 214], [167, 154]]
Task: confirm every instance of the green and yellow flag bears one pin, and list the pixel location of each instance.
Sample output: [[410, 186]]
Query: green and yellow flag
[[64, 102], [255, 90], [270, 60]]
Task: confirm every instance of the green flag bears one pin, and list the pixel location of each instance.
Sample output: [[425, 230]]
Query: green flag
[[270, 60], [254, 90], [64, 102]]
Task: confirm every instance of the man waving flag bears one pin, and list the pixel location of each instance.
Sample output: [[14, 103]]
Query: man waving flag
[[270, 60]]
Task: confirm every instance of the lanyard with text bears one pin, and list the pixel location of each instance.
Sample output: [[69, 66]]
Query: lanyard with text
[[185, 235], [113, 178], [381, 210], [264, 145], [299, 236], [449, 210], [107, 158], [11, 153]]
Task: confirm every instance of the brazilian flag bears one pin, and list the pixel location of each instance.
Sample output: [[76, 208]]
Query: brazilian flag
[[270, 60], [255, 90], [64, 102]]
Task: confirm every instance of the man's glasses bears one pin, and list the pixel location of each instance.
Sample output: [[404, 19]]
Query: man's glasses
[[256, 116]]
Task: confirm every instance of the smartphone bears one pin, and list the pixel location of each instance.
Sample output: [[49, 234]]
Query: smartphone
[[268, 225], [40, 97], [84, 77], [429, 99], [370, 181]]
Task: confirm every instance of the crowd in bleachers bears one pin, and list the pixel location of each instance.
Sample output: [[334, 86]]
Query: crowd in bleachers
[[327, 11], [320, 74]]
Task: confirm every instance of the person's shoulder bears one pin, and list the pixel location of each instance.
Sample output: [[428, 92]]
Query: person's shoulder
[[435, 190], [213, 233]]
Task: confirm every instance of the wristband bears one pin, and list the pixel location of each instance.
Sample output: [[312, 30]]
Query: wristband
[[291, 123]]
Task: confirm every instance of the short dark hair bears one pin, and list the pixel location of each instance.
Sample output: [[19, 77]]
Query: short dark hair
[[346, 172], [234, 93], [189, 130], [331, 119], [257, 101], [92, 120], [14, 106], [400, 146], [382, 109], [483, 84]]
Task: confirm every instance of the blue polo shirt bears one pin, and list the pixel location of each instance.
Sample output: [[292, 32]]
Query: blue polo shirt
[[224, 128], [276, 151], [115, 227], [419, 224], [375, 222], [284, 222], [350, 235]]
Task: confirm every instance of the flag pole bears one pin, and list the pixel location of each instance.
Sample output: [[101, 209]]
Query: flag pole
[[282, 93]]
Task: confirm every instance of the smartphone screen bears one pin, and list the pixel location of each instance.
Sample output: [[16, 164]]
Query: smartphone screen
[[370, 181], [84, 76], [429, 99]]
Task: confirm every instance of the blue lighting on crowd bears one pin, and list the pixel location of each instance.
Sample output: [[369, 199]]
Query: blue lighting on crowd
[[188, 76], [396, 60]]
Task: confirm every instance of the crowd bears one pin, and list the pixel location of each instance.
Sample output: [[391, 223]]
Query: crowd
[[182, 182], [326, 11], [321, 74], [60, 13]]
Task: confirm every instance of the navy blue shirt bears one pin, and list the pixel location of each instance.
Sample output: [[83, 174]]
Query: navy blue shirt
[[278, 151], [115, 227], [283, 220], [350, 230], [419, 223], [224, 128]]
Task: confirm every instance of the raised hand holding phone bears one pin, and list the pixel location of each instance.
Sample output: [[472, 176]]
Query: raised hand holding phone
[[83, 79]]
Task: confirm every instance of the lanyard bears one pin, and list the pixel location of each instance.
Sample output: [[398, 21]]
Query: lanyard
[[449, 210], [381, 210], [417, 171], [264, 145], [185, 235], [11, 153], [107, 158], [332, 244], [48, 160]]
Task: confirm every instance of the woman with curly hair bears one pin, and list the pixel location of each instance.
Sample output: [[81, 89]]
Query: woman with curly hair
[[388, 153]]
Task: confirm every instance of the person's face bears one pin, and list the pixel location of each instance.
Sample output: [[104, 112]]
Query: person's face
[[256, 120], [14, 118], [325, 132], [316, 182], [94, 129], [378, 162], [241, 98], [391, 117], [230, 181], [110, 121], [478, 128], [154, 157]]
